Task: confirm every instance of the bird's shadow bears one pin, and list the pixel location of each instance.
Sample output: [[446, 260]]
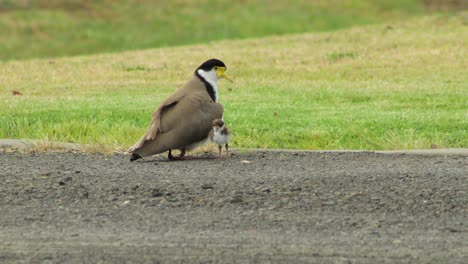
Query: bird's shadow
[[186, 158]]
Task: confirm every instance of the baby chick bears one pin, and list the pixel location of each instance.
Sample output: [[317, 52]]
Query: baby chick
[[220, 135]]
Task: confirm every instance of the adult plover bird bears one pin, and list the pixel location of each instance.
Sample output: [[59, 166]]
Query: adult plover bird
[[220, 135], [184, 120]]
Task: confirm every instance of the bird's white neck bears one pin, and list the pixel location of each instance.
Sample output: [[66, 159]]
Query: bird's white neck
[[211, 78]]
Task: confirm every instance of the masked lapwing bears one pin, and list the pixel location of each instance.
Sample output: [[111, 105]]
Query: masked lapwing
[[220, 135], [184, 120]]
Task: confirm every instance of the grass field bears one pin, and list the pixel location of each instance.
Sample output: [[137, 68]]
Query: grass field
[[399, 85], [45, 28]]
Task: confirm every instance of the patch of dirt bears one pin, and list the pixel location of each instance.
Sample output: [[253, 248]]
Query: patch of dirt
[[279, 206]]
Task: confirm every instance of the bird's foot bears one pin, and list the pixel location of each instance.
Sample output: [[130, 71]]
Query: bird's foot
[[180, 157]]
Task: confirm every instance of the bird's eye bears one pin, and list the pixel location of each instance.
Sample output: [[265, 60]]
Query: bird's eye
[[216, 67]]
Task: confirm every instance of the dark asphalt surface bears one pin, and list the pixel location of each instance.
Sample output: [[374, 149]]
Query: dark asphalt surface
[[255, 207]]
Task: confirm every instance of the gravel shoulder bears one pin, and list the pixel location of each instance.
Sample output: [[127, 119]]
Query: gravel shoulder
[[256, 206]]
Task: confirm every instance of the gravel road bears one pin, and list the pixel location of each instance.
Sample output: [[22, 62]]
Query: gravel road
[[255, 207]]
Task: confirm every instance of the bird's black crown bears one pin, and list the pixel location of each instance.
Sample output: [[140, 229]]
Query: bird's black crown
[[210, 64], [218, 123]]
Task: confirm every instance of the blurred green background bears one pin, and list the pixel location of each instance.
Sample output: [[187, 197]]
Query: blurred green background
[[50, 28]]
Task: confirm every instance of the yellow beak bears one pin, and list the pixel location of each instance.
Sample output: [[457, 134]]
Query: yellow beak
[[221, 72]]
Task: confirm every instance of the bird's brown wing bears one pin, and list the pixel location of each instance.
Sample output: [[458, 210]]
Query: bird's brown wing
[[190, 121], [155, 126], [178, 122]]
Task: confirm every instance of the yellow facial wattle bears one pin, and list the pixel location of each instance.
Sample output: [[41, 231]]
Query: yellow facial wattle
[[221, 73]]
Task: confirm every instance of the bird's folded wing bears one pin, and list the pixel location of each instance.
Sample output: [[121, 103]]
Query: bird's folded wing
[[156, 126]]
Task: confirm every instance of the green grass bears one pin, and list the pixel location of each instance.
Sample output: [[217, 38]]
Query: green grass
[[402, 85], [46, 28]]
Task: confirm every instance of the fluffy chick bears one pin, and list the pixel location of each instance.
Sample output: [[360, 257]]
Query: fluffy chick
[[220, 135]]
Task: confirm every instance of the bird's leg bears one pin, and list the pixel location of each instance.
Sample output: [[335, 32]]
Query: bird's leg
[[169, 155], [227, 150], [219, 148], [181, 156], [182, 153]]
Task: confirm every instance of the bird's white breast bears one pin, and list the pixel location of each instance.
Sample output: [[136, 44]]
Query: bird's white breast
[[221, 139]]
